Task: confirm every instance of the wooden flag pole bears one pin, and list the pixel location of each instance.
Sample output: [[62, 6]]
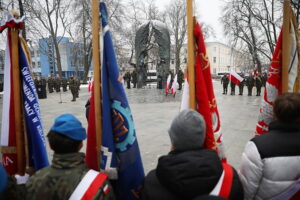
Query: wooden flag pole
[[286, 45], [191, 55], [97, 76], [16, 81]]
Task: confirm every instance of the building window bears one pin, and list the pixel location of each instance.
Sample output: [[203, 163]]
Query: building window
[[37, 52], [32, 53], [172, 61], [215, 59], [39, 64], [33, 64]]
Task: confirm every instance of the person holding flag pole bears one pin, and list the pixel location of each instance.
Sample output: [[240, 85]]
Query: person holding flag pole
[[196, 164], [22, 139], [112, 144], [270, 162]]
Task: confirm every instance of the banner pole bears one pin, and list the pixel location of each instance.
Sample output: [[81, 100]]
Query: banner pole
[[191, 55], [16, 81], [97, 76], [286, 44]]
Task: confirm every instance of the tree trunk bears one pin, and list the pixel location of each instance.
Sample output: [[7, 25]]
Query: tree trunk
[[58, 59], [22, 14]]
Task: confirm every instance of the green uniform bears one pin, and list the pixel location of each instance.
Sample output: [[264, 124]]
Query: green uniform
[[50, 85], [64, 84], [73, 87], [180, 79], [57, 84], [59, 180]]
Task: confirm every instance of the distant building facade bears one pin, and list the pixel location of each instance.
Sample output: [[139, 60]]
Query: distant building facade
[[71, 55], [35, 60], [223, 58]]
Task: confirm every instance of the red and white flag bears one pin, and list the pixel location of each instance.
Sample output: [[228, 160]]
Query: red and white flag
[[168, 84], [274, 82], [174, 85], [235, 78], [205, 97]]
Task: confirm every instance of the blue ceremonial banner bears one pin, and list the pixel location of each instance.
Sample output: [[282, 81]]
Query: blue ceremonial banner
[[35, 135], [119, 141]]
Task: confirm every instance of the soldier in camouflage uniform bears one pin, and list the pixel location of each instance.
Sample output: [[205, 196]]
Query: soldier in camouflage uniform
[[77, 81], [50, 84], [250, 84], [68, 167], [258, 85], [241, 85], [57, 84], [64, 84], [73, 87], [225, 82], [180, 78]]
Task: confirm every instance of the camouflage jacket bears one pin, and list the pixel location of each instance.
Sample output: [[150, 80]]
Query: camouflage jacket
[[59, 180]]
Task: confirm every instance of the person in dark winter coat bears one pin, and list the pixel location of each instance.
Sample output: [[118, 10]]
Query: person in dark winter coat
[[189, 170], [270, 162]]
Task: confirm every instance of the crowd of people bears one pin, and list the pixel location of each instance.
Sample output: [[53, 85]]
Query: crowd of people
[[249, 81], [57, 84], [133, 78], [269, 167]]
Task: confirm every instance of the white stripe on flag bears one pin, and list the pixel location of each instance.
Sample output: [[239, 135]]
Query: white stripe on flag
[[185, 96], [6, 99], [84, 185], [293, 65], [174, 85], [237, 76]]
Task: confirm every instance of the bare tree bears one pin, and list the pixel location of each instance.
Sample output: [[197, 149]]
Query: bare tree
[[176, 13], [46, 17]]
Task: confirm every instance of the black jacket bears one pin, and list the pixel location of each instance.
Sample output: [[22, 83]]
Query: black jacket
[[186, 175]]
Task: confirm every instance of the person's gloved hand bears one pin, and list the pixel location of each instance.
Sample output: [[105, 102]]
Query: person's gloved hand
[[21, 179]]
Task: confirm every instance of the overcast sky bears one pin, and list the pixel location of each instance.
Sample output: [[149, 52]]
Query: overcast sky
[[208, 11]]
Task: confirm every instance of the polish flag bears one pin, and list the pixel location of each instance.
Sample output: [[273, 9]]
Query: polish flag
[[168, 84], [174, 85], [235, 78]]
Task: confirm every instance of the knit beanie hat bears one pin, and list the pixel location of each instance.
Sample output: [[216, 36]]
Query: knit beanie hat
[[69, 126], [187, 131]]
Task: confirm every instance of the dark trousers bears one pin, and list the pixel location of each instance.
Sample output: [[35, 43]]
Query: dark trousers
[[134, 84], [241, 89], [180, 85], [250, 90], [128, 84], [258, 91], [232, 90], [225, 88], [73, 91]]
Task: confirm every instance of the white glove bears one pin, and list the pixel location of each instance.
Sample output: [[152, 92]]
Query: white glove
[[22, 179]]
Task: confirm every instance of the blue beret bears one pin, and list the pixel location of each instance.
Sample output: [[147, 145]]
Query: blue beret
[[3, 178], [69, 126]]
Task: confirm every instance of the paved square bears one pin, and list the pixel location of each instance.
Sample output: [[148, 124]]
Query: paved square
[[153, 113]]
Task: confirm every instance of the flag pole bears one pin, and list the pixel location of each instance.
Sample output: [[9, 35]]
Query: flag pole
[[16, 80], [97, 76], [191, 55], [286, 44]]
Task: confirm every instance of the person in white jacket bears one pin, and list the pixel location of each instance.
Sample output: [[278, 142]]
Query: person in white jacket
[[271, 162]]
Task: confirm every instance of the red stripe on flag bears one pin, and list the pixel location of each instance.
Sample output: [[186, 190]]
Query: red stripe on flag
[[91, 148], [10, 160], [234, 79]]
